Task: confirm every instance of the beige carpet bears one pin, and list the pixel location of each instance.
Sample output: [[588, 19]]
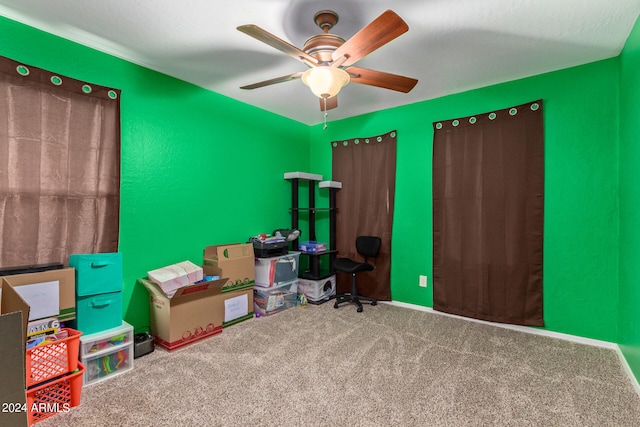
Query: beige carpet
[[387, 366]]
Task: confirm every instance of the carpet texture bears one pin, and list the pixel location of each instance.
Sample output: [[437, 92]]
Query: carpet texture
[[387, 366]]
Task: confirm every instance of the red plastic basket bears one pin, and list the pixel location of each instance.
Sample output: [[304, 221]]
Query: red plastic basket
[[56, 396], [53, 359]]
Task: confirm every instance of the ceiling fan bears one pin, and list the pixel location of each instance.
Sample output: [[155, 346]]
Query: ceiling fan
[[330, 58]]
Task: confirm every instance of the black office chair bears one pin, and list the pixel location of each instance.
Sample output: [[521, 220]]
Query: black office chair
[[368, 247]]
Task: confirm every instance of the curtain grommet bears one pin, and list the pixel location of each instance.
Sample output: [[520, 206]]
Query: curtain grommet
[[22, 70]]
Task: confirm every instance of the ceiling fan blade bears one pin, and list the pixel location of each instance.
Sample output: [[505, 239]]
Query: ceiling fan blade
[[273, 81], [381, 79], [379, 32], [273, 41], [331, 103]]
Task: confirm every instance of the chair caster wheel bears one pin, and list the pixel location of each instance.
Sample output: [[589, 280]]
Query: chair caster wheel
[[335, 304], [374, 302], [359, 309]]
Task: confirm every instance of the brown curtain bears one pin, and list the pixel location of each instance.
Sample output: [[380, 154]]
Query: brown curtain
[[367, 169], [59, 166], [488, 188]]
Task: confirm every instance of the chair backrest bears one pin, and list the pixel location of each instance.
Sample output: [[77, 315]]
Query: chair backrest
[[368, 246]]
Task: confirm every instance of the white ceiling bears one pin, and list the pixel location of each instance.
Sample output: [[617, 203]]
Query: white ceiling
[[451, 46]]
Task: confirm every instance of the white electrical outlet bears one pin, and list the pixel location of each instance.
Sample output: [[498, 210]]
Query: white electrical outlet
[[423, 281]]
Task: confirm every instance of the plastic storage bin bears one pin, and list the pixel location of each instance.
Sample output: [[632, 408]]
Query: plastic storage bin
[[98, 291], [275, 271], [109, 338], [267, 301], [52, 359], [55, 396], [107, 364], [108, 353]]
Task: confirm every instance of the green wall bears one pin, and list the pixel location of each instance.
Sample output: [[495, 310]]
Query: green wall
[[197, 168], [200, 169], [581, 212], [629, 338]]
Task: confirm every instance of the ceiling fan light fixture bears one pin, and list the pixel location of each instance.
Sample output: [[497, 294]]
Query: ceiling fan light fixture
[[324, 81]]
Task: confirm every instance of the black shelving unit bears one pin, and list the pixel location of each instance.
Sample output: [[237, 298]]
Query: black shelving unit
[[314, 272]]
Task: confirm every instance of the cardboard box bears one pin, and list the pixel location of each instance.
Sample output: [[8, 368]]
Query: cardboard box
[[176, 276], [66, 285], [318, 290], [236, 304], [14, 312], [196, 311], [233, 261]]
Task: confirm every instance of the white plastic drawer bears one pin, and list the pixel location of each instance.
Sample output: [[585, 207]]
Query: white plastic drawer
[[98, 342], [107, 364]]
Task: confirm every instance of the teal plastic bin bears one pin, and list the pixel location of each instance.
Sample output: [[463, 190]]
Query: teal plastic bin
[[98, 291]]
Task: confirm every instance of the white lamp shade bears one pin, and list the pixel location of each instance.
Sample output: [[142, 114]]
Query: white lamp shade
[[325, 82]]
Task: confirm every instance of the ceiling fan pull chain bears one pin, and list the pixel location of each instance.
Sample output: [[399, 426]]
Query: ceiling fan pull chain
[[325, 113]]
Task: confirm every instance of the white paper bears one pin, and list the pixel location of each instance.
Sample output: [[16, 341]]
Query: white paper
[[235, 307], [43, 298]]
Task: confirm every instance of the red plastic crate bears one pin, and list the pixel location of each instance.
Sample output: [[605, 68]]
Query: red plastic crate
[[56, 396], [53, 359]]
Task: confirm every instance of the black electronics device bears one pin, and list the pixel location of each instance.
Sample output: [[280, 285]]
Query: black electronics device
[[143, 344], [268, 250], [24, 269]]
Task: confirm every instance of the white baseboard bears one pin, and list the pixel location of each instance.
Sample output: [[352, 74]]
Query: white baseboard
[[530, 330], [627, 369]]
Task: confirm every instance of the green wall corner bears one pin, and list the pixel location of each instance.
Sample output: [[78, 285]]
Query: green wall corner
[[581, 212], [199, 169]]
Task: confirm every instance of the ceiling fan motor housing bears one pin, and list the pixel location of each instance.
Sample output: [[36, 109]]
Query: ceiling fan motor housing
[[321, 46]]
